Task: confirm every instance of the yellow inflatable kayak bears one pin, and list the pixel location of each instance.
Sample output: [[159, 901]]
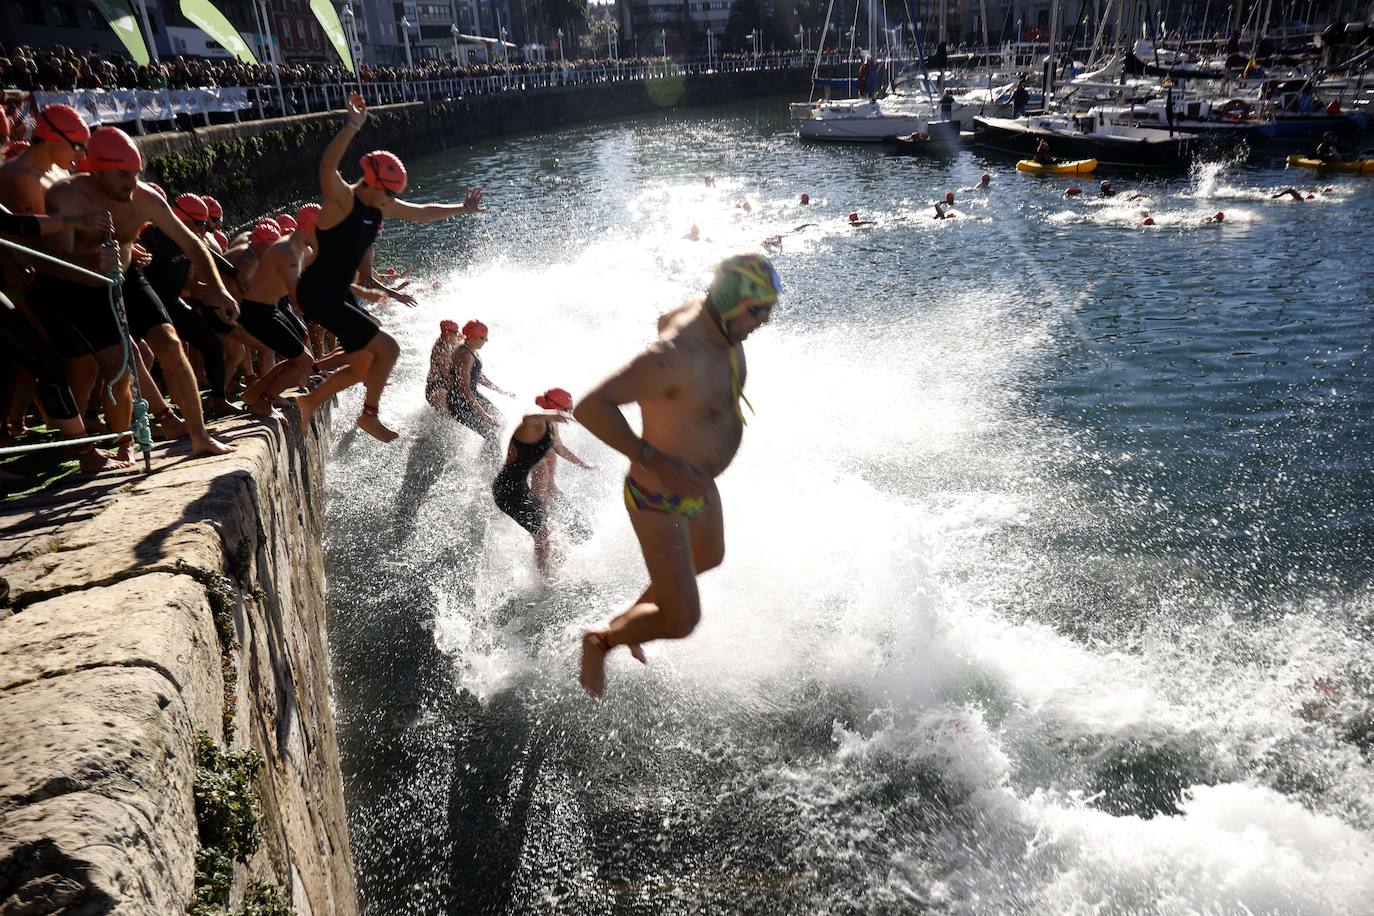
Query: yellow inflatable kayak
[[1075, 167], [1359, 166]]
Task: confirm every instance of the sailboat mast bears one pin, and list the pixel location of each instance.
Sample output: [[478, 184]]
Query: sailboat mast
[[1053, 61]]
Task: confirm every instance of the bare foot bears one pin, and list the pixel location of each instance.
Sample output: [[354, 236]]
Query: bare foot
[[209, 446], [220, 407], [374, 427], [259, 408], [638, 652], [171, 425], [96, 460], [307, 408], [593, 676]]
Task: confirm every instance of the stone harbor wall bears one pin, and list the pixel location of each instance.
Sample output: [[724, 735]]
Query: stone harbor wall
[[254, 167], [166, 732]]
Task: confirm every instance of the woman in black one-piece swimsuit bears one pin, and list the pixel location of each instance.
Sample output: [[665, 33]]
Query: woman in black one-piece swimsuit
[[532, 440]]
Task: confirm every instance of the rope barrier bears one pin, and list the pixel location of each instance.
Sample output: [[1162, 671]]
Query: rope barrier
[[140, 428]]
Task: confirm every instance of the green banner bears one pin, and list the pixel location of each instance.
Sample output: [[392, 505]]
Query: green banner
[[329, 21], [213, 23], [121, 18]]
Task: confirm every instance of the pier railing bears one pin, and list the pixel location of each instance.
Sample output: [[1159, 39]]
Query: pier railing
[[150, 111]]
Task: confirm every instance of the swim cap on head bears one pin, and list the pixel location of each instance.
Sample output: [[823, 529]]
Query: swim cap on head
[[474, 328], [287, 223], [265, 232], [1074, 192], [1220, 217], [110, 149], [1149, 221], [191, 208], [307, 217], [554, 399], [221, 238], [805, 198], [854, 217], [741, 282], [60, 122], [216, 211], [157, 189], [14, 149], [448, 326], [987, 176], [384, 170]]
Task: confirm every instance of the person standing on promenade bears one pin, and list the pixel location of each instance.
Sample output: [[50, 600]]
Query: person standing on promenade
[[346, 228], [689, 385]]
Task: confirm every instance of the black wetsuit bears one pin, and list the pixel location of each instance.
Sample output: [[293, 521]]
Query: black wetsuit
[[324, 288], [511, 488], [23, 346], [463, 411], [266, 322], [167, 276]]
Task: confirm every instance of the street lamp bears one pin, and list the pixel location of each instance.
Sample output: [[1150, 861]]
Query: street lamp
[[560, 46], [663, 38], [453, 30], [405, 34], [801, 37], [710, 37], [352, 29]]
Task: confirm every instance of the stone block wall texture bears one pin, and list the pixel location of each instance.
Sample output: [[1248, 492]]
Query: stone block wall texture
[[110, 664], [254, 167]]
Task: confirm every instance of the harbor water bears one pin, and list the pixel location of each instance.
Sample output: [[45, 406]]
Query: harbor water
[[1048, 585]]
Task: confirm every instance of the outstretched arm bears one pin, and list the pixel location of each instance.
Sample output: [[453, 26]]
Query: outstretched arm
[[331, 182], [155, 209], [564, 452], [432, 213]]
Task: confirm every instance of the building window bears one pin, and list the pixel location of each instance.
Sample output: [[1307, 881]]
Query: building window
[[300, 31], [31, 12], [65, 14]]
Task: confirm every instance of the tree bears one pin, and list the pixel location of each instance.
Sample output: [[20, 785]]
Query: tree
[[599, 28]]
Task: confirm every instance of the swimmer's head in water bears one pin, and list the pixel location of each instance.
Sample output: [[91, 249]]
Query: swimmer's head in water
[[192, 209], [949, 197], [554, 399], [287, 223], [987, 177], [448, 326], [743, 283], [1220, 217], [306, 218], [805, 198], [384, 171], [475, 330]]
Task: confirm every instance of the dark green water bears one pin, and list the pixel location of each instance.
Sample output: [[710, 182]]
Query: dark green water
[[1048, 581]]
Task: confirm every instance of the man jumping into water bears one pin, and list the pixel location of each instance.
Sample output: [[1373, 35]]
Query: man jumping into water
[[689, 385], [346, 228]]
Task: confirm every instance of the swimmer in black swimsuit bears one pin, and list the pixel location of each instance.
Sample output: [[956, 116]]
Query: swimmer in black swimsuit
[[532, 440], [346, 229], [468, 405]]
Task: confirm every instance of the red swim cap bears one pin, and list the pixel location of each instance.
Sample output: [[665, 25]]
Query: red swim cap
[[554, 399], [60, 122], [987, 176], [448, 326], [221, 238], [805, 198], [1073, 192], [1220, 217], [110, 149], [854, 217], [190, 208], [949, 197], [216, 211], [1149, 221], [474, 328], [265, 232], [384, 170], [157, 189], [15, 148], [287, 223], [307, 217]]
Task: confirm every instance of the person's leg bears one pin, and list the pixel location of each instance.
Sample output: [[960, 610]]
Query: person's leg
[[119, 411], [385, 351], [181, 384], [355, 366], [675, 608], [196, 331], [542, 548], [284, 375]]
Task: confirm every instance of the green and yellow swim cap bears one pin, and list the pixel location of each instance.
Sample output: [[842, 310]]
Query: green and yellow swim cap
[[740, 282]]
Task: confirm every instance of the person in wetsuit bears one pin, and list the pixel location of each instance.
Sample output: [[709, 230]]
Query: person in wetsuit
[[346, 228], [21, 345], [1043, 154], [1329, 149], [533, 440], [465, 402]]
